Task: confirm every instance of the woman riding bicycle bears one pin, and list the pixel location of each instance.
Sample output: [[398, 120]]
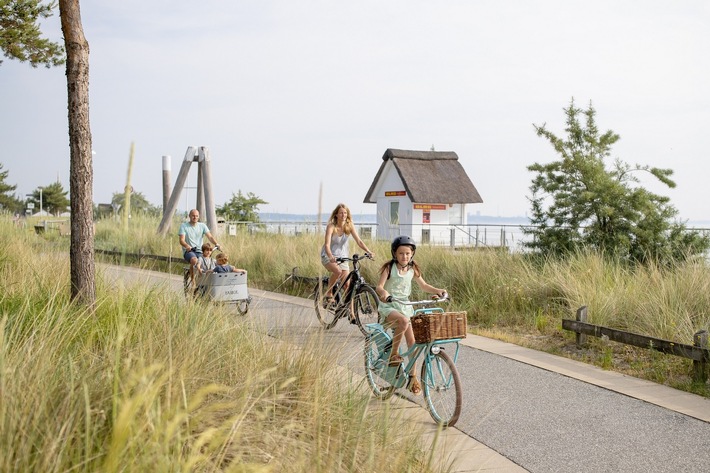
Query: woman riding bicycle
[[340, 227], [396, 280]]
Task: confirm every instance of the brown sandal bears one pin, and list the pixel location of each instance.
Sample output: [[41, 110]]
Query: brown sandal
[[396, 360], [414, 386]]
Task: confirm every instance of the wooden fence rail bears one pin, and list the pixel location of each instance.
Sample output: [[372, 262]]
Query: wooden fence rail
[[141, 255], [698, 352], [294, 277]]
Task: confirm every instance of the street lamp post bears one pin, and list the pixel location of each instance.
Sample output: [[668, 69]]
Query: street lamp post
[[40, 200]]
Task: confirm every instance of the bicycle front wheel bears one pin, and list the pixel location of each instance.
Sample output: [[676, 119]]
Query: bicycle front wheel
[[375, 362], [442, 388], [325, 310], [365, 308]]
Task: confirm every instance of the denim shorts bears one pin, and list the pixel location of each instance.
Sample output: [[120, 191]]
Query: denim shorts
[[325, 260], [191, 254]]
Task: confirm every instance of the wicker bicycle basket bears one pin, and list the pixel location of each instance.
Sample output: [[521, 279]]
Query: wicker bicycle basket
[[439, 326]]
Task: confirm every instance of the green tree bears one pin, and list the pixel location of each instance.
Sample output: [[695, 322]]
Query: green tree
[[20, 39], [241, 208], [578, 202], [20, 35], [8, 202], [54, 199], [139, 204]]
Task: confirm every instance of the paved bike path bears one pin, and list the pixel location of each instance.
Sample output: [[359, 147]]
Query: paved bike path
[[526, 410], [529, 410]]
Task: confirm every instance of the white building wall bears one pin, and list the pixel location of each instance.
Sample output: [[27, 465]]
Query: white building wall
[[389, 189], [435, 228]]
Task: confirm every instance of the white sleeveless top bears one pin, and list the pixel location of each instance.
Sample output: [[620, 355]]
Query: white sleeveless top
[[338, 246]]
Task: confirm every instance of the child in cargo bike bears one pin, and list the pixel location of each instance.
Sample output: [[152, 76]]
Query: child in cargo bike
[[205, 263], [396, 280], [223, 265]]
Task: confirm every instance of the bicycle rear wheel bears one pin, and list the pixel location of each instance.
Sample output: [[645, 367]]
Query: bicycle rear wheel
[[442, 388], [243, 306], [365, 308], [375, 361], [325, 310]]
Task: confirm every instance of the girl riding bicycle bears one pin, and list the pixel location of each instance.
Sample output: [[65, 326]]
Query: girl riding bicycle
[[396, 278]]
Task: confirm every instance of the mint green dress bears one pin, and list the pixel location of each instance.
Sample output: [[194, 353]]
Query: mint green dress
[[400, 287]]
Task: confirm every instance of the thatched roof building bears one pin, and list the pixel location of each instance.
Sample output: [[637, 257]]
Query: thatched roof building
[[428, 176]]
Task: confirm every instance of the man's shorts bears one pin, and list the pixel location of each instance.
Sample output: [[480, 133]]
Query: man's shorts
[[191, 254]]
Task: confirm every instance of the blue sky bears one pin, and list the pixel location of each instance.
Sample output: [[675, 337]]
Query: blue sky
[[290, 96]]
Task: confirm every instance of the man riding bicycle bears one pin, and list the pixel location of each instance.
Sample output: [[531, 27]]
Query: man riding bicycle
[[191, 235]]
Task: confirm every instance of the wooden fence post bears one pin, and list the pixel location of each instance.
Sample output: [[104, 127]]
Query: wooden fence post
[[700, 368], [581, 338]]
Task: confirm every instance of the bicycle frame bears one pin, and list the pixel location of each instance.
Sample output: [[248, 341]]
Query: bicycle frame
[[358, 302], [354, 278], [441, 381], [399, 375]]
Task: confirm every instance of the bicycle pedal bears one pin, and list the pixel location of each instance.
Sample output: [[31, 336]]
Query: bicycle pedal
[[328, 302]]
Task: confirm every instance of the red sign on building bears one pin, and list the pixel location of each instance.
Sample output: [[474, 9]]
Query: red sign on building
[[430, 206]]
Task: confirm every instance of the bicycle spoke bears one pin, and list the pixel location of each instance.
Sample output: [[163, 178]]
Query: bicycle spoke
[[442, 388], [365, 308], [325, 310], [376, 360]]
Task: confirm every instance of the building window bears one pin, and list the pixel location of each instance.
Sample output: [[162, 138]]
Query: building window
[[394, 213]]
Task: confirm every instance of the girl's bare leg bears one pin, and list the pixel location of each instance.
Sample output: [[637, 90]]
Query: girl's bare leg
[[400, 324]]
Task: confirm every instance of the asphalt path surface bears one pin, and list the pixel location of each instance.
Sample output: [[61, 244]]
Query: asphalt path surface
[[539, 419]]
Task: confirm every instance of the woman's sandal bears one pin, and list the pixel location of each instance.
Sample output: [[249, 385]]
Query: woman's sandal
[[396, 360], [414, 386], [327, 300]]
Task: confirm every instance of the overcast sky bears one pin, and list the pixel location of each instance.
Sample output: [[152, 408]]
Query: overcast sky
[[290, 95]]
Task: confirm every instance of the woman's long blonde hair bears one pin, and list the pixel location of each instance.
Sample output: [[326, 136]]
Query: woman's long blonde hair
[[348, 224]]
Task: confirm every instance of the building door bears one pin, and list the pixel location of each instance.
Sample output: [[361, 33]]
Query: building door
[[394, 219], [394, 213]]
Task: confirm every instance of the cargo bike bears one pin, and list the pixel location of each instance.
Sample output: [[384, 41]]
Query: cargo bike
[[437, 335], [227, 288]]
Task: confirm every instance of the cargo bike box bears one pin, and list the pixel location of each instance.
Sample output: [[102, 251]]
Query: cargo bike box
[[227, 288], [223, 287]]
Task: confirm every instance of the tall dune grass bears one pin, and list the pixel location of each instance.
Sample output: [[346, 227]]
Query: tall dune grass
[[147, 382], [496, 288], [509, 296]]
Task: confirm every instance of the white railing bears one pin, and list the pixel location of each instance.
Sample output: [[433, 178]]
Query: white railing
[[472, 235]]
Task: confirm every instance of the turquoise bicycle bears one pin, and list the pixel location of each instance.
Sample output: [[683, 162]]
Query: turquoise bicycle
[[437, 335]]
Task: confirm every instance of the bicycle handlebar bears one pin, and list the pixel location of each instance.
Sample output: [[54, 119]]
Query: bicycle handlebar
[[434, 300], [355, 257], [195, 249]]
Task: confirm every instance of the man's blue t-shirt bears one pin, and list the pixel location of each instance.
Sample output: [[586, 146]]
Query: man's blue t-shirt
[[193, 234]]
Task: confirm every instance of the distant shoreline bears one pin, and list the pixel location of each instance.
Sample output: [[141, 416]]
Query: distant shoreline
[[472, 219]]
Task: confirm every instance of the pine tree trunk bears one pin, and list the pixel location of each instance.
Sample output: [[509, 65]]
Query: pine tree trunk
[[81, 250]]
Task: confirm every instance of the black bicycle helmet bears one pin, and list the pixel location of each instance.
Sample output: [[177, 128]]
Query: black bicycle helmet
[[403, 240]]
